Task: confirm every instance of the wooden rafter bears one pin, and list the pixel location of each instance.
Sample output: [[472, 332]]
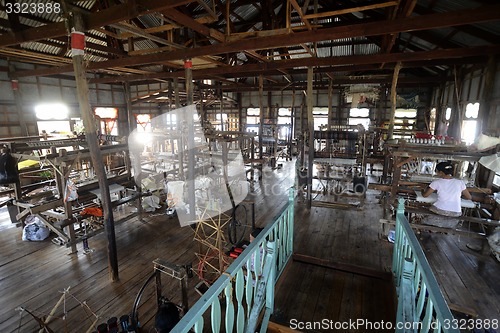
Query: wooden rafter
[[468, 16], [140, 32], [99, 19], [301, 15], [245, 70], [351, 10]]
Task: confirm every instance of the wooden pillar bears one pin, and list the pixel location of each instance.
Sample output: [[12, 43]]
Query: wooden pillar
[[302, 135], [176, 93], [340, 106], [440, 112], [18, 100], [330, 112], [310, 126], [292, 121], [131, 122], [393, 99], [455, 128], [190, 140], [203, 113], [240, 113], [180, 143], [261, 114], [487, 92], [379, 115], [61, 180], [169, 94], [95, 152]]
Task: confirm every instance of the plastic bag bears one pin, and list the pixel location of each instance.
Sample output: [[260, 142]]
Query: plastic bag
[[151, 203], [70, 191], [35, 230]]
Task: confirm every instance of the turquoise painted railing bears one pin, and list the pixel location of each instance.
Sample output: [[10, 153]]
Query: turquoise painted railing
[[235, 300], [421, 305]]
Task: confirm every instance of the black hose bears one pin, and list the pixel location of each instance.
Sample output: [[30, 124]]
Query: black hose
[[134, 315]]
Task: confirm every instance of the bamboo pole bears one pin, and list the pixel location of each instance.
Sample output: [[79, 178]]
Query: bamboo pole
[[95, 153]]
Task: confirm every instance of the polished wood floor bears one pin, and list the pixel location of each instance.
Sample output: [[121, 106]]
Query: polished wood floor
[[339, 282], [469, 279]]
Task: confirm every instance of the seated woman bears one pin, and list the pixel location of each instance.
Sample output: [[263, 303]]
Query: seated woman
[[449, 191]]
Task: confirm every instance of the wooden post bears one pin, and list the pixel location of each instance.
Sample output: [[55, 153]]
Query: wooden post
[[190, 144], [18, 100], [455, 128], [261, 114], [240, 114], [180, 143], [393, 99], [310, 123], [484, 123], [95, 152], [61, 180], [292, 121], [131, 122], [330, 113]]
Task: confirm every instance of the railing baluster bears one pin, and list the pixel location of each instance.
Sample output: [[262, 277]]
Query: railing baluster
[[232, 285], [215, 316], [198, 327], [249, 288], [229, 308], [240, 315], [427, 299]]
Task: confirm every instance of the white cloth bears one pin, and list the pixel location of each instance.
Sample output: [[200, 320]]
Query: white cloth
[[449, 192]]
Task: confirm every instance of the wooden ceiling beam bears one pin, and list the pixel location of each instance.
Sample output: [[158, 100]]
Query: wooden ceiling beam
[[351, 10], [433, 21], [319, 85], [301, 15], [140, 32], [252, 69], [191, 23], [95, 20]]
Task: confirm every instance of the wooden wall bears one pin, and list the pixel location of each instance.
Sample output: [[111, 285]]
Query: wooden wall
[[35, 90]]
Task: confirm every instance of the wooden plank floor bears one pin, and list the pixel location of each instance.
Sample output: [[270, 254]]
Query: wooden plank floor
[[311, 294], [32, 274], [468, 279]]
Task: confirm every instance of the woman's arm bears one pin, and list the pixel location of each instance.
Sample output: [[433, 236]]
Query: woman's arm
[[466, 194], [428, 192]]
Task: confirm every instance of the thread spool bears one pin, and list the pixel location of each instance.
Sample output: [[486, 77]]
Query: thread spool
[[102, 328], [112, 323]]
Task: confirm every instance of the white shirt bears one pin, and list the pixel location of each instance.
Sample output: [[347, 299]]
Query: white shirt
[[449, 192]]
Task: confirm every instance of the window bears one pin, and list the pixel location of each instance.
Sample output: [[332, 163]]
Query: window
[[253, 119], [359, 116], [143, 122], [320, 118], [221, 121], [469, 124], [52, 111], [447, 114], [404, 122], [284, 123], [432, 120], [52, 119], [108, 120], [106, 113]]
